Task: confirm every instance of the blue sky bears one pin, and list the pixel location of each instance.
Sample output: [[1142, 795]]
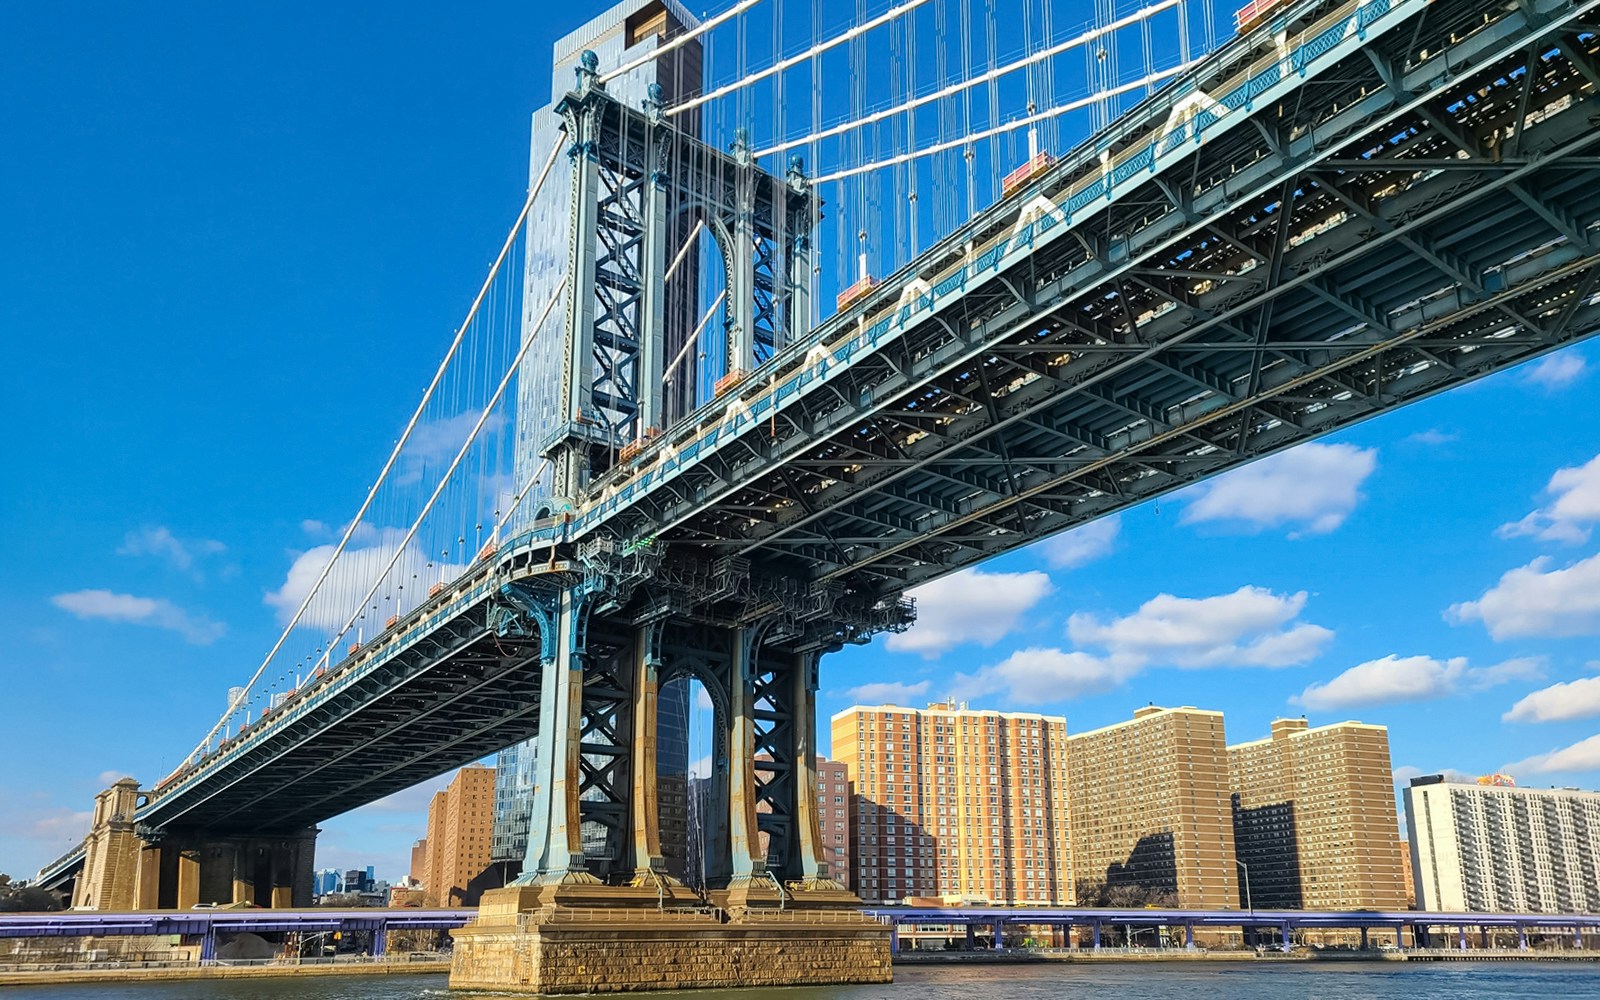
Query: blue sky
[[234, 243]]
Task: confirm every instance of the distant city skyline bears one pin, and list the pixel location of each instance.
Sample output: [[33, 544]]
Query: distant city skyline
[[227, 292]]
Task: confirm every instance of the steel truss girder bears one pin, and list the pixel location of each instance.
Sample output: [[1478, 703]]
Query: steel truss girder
[[818, 423], [481, 695]]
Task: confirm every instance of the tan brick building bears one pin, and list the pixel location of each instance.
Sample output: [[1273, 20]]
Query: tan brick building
[[950, 801], [1150, 806], [1314, 818], [833, 815], [419, 859], [460, 825]]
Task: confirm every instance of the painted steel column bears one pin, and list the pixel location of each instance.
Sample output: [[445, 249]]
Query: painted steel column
[[741, 265], [972, 937], [1287, 944], [1483, 938], [807, 820], [651, 414], [646, 733], [1188, 936], [577, 389], [999, 935], [800, 275], [208, 943], [894, 938], [1577, 938], [1097, 935], [380, 939], [555, 844], [743, 833], [1461, 936], [1364, 944], [1522, 937]]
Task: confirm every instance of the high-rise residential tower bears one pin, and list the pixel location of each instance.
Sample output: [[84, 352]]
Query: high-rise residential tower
[[460, 820], [1499, 848], [1150, 808], [1314, 818], [955, 802]]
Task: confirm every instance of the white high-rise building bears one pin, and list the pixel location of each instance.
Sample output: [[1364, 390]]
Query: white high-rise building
[[1499, 848]]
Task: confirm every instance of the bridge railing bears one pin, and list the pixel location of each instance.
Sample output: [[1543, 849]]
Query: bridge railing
[[67, 860], [1088, 176]]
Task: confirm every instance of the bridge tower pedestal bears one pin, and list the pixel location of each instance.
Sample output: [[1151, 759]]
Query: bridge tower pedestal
[[596, 909]]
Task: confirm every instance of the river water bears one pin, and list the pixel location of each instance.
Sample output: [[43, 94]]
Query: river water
[[1242, 981]]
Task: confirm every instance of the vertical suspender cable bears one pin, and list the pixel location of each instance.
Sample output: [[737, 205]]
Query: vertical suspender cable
[[394, 455]]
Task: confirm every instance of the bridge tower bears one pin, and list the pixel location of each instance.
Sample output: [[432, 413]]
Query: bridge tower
[[616, 616]]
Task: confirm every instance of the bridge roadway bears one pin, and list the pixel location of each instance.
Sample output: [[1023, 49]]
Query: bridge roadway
[[208, 924], [1307, 230]]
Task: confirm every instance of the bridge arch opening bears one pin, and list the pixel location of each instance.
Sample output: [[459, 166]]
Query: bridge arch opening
[[692, 780]]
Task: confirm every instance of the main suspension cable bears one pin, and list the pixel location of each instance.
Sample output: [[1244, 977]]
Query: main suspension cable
[[985, 77], [798, 58], [681, 40], [1010, 126]]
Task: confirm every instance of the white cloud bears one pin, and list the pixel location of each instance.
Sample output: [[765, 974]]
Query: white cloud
[[1251, 627], [1395, 679], [1534, 600], [415, 799], [1527, 668], [1556, 371], [1579, 699], [353, 575], [702, 699], [1039, 676], [182, 554], [433, 444], [1572, 514], [1381, 682], [1313, 487], [45, 834], [1432, 436], [701, 768], [969, 606], [1582, 756], [887, 693], [109, 778], [1082, 545], [157, 612], [1403, 775]]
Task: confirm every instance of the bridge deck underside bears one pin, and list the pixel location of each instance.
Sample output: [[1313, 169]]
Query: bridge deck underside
[[1283, 283], [461, 695]]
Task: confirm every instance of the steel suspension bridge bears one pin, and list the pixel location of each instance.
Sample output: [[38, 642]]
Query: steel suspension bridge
[[660, 460]]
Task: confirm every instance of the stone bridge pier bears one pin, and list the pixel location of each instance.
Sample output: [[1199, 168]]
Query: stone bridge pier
[[180, 871], [129, 868]]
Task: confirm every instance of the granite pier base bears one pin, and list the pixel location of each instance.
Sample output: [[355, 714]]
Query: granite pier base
[[599, 939]]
